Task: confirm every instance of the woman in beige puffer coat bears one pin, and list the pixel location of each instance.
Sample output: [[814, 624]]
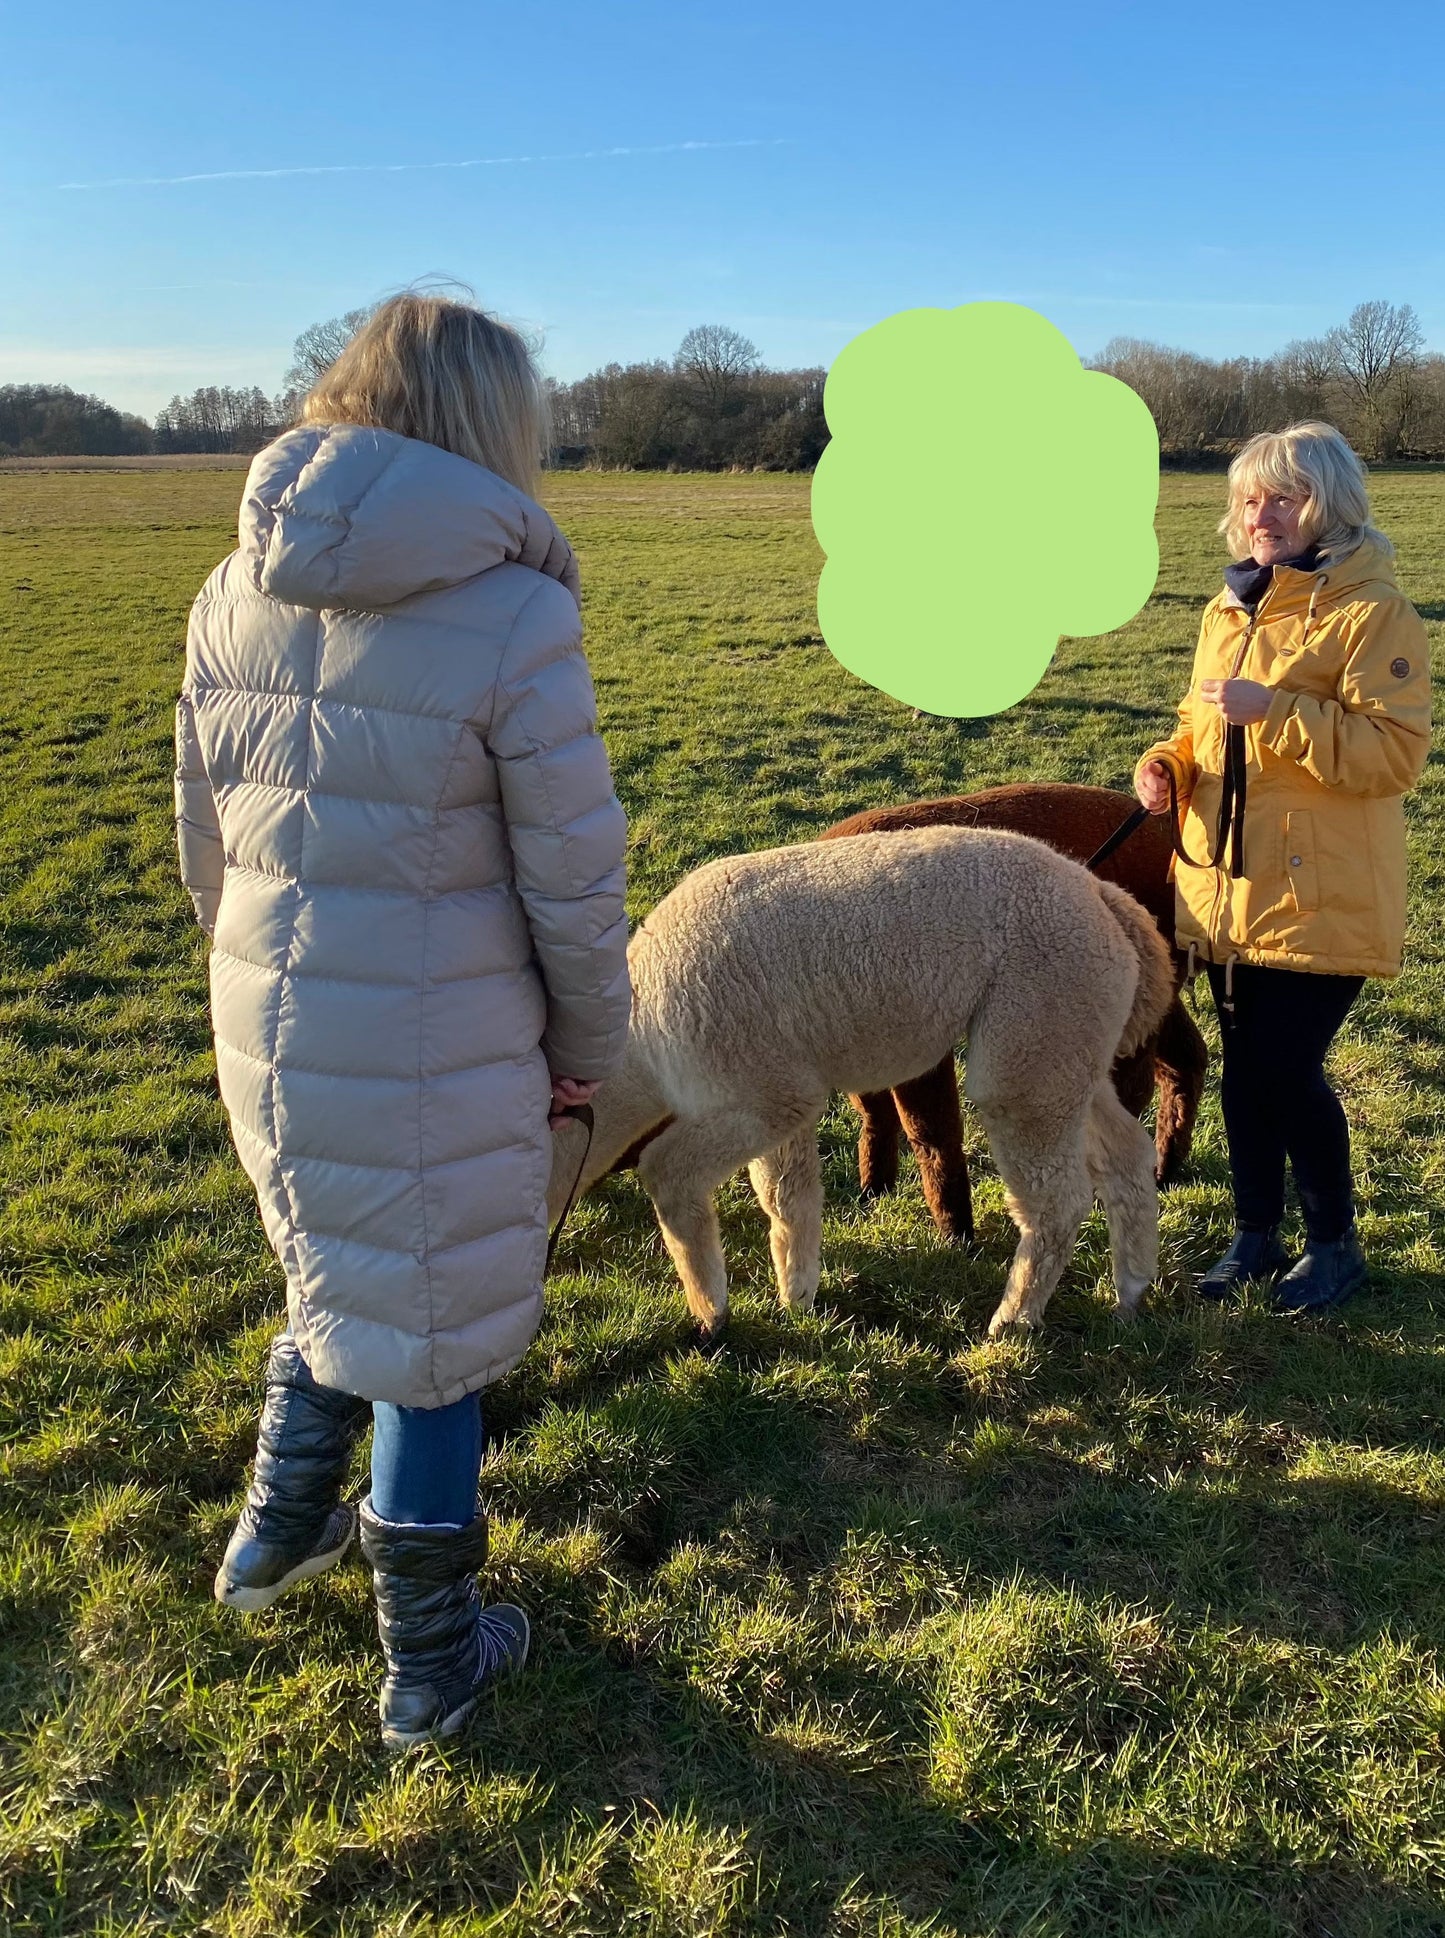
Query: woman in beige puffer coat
[[398, 827]]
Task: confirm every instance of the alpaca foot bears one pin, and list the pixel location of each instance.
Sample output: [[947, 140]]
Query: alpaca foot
[[710, 1340], [709, 1314], [1169, 1167], [1003, 1322], [1128, 1292]]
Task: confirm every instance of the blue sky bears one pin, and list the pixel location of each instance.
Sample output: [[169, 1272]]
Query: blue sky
[[799, 172]]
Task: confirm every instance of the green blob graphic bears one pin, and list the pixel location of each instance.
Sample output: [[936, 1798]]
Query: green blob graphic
[[983, 495]]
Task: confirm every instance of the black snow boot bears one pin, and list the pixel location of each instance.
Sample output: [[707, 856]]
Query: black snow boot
[[293, 1524], [442, 1647]]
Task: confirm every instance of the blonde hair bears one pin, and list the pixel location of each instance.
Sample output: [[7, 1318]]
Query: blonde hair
[[447, 373], [1313, 463]]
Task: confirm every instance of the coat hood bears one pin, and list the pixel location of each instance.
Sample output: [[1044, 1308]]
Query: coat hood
[[341, 515]]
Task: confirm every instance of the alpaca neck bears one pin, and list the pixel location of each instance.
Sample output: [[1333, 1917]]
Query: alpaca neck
[[624, 1110]]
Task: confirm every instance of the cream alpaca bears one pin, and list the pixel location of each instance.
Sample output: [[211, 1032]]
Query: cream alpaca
[[765, 982]]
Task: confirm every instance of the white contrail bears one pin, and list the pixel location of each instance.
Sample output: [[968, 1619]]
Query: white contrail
[[402, 168]]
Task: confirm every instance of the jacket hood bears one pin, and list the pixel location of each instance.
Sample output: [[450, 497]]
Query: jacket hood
[[344, 515], [1368, 564]]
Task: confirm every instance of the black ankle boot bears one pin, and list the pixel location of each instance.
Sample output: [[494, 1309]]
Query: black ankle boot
[[1253, 1255], [442, 1647], [1328, 1273], [292, 1525]]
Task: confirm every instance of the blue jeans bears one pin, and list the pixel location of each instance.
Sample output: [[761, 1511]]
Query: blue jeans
[[426, 1460]]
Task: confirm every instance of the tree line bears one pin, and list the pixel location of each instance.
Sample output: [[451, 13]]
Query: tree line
[[715, 405], [1370, 376], [53, 421]]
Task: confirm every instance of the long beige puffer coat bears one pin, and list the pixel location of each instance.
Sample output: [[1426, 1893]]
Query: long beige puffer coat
[[397, 823]]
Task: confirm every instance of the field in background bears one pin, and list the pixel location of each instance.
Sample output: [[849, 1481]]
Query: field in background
[[171, 461], [863, 1627]]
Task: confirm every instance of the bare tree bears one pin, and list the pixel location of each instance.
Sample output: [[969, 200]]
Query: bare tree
[[1375, 354], [219, 419], [716, 359], [1307, 371], [318, 347], [1425, 424], [1196, 404], [636, 410]]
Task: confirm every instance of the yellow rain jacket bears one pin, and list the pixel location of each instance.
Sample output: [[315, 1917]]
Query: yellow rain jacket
[[1346, 736]]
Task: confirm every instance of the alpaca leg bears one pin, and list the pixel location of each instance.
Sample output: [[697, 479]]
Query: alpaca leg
[[877, 1142], [929, 1112], [789, 1184], [681, 1170], [1046, 1182], [1121, 1164], [1181, 1063]]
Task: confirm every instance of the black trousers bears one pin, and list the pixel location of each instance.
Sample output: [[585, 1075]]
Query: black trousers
[[1277, 1100]]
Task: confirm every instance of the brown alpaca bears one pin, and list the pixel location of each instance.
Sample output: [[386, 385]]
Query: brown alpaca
[[1076, 821]]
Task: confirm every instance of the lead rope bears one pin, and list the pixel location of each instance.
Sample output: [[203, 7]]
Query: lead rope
[[583, 1114], [1117, 839], [1230, 832]]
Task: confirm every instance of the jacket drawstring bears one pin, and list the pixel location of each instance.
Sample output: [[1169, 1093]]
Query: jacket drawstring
[[1229, 985]]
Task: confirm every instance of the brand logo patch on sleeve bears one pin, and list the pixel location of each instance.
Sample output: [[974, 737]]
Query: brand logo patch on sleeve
[[1400, 668]]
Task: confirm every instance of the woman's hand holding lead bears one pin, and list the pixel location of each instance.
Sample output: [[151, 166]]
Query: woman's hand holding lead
[[1242, 702], [1151, 784], [567, 1093]]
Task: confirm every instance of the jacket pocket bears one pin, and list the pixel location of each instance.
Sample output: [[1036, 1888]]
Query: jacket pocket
[[1299, 860]]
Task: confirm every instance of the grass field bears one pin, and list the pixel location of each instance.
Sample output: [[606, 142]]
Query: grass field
[[864, 1626]]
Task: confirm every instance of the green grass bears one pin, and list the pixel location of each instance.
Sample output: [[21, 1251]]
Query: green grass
[[864, 1626]]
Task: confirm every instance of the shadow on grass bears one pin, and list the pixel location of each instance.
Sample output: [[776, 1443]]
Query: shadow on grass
[[834, 1832]]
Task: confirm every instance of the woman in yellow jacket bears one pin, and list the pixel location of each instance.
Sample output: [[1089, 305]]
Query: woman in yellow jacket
[[1306, 721]]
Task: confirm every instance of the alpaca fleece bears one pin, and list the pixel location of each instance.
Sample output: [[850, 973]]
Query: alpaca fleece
[[764, 982]]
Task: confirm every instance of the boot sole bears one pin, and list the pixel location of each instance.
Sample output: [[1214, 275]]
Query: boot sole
[[251, 1600], [454, 1723]]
